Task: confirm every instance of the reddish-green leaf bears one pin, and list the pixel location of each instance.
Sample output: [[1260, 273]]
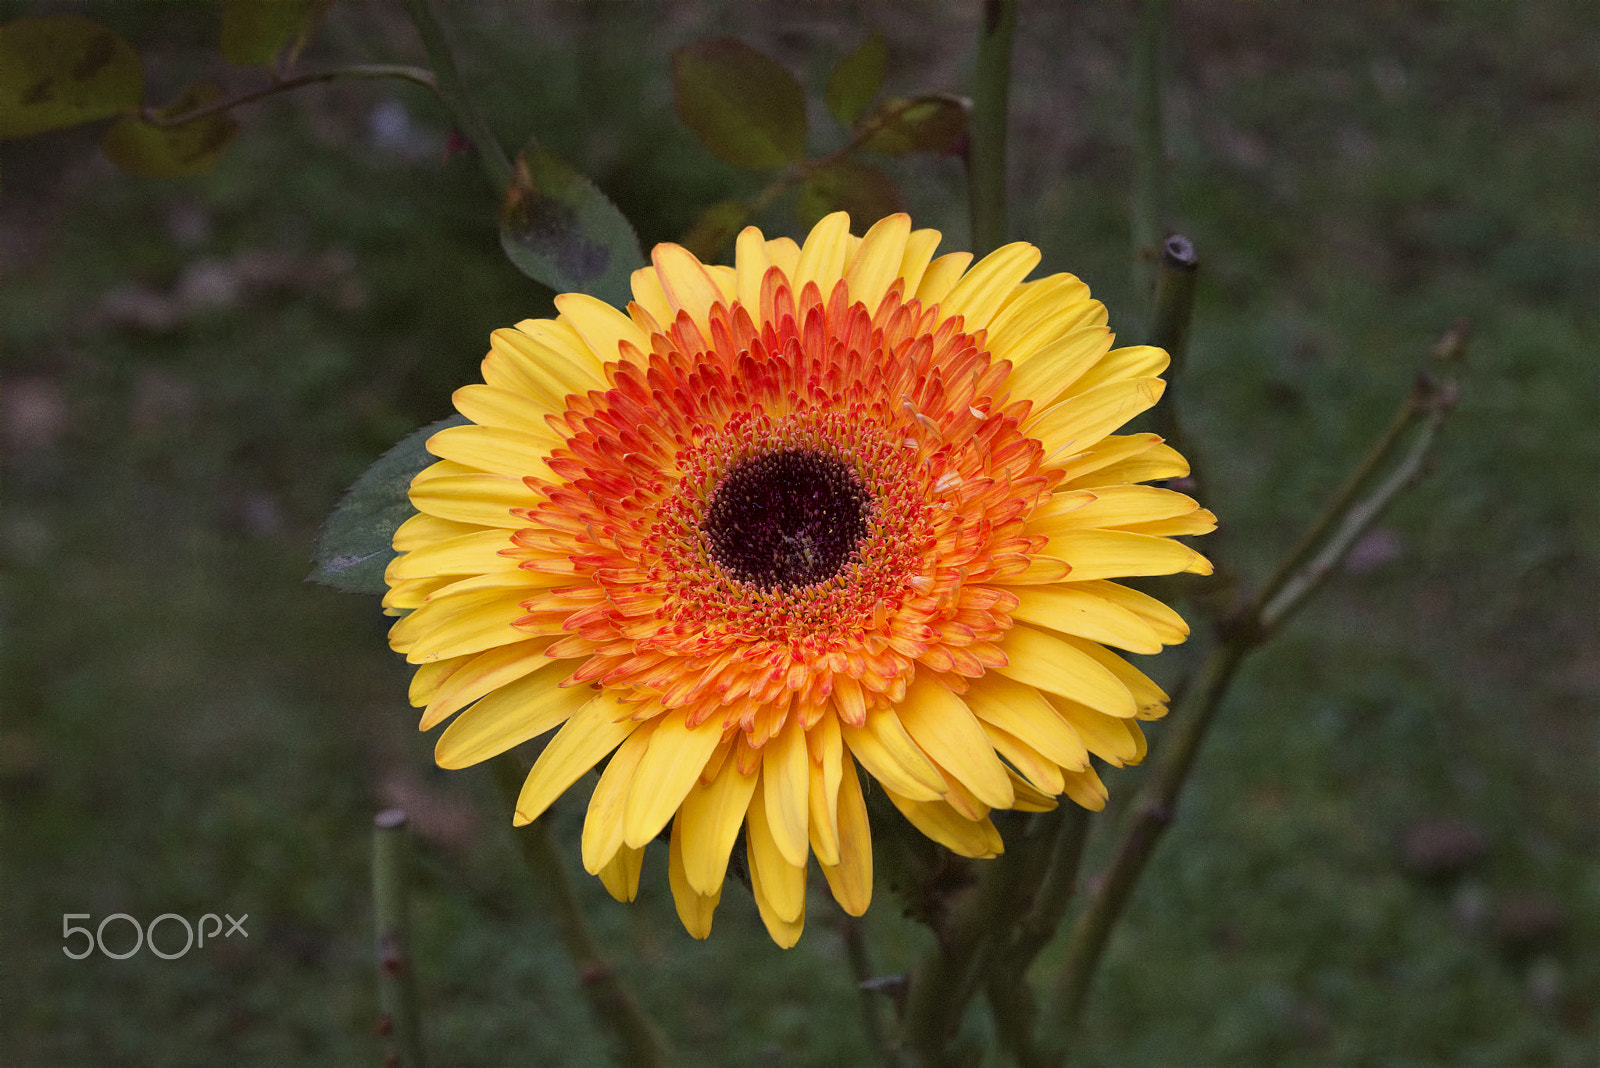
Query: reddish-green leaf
[[744, 105], [715, 227], [926, 124], [255, 31], [558, 228], [62, 70], [189, 148], [846, 185], [857, 79]]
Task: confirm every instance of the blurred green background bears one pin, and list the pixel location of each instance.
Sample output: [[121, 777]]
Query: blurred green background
[[1388, 854]]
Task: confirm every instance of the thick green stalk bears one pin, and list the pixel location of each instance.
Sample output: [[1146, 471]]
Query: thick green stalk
[[986, 151], [400, 1022], [454, 91], [1174, 310], [610, 999]]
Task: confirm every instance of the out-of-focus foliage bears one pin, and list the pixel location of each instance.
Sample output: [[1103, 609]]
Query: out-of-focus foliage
[[744, 106], [856, 80], [254, 32], [558, 228], [63, 70], [177, 151]]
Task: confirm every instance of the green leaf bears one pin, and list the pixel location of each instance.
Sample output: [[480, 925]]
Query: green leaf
[[141, 147], [63, 70], [744, 105], [857, 79], [356, 541], [255, 31], [926, 124], [559, 229], [715, 227], [861, 189]]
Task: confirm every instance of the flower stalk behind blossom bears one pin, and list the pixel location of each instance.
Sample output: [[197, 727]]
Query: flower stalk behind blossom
[[843, 507]]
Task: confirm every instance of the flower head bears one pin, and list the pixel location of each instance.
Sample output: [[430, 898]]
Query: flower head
[[841, 507]]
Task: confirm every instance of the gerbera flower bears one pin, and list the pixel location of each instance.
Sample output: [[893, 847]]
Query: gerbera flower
[[842, 506]]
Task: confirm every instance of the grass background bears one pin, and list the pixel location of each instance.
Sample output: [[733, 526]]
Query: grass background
[[1388, 854]]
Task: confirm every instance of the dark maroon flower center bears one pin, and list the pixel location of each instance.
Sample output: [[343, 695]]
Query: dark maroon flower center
[[786, 519]]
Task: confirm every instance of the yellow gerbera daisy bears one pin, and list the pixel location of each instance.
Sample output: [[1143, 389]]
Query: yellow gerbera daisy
[[842, 505]]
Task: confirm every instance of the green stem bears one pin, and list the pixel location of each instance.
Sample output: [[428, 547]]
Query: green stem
[[454, 91], [1174, 310], [401, 1019], [986, 159], [1149, 196], [860, 961], [417, 75], [610, 999]]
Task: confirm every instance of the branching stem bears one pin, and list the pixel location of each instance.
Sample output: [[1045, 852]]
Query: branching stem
[[417, 75]]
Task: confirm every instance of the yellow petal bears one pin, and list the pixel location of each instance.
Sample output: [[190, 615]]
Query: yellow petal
[[421, 531], [1111, 739], [1106, 452], [1168, 625], [495, 449], [1132, 361], [485, 500], [944, 727], [887, 752], [531, 583], [711, 816], [785, 255], [560, 353], [851, 879], [779, 885], [511, 715], [1029, 797], [1078, 422], [992, 279], [1099, 554], [688, 286], [429, 678], [751, 262], [1043, 773], [1199, 521], [602, 822], [825, 769], [1023, 711], [470, 623], [650, 296], [514, 363], [1047, 373], [1039, 311], [1070, 609], [480, 674], [1056, 665], [467, 554], [601, 326], [1157, 462], [822, 256], [406, 594], [620, 876], [919, 251], [488, 406], [592, 732], [1146, 694], [876, 263], [786, 785], [1086, 789], [941, 277], [671, 765], [945, 825], [1118, 506], [785, 933], [695, 910]]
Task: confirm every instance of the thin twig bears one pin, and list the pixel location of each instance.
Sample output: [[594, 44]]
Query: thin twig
[[991, 95], [418, 75], [454, 93], [401, 1021], [610, 999]]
